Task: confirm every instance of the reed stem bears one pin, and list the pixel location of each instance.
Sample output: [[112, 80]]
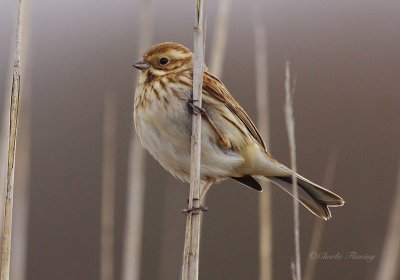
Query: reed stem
[[190, 268], [14, 108], [292, 145]]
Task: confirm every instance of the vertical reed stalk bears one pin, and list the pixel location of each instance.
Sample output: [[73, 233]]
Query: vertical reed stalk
[[14, 107], [389, 265], [292, 145], [220, 38], [108, 189], [131, 261], [316, 237], [19, 241], [265, 202], [190, 268], [5, 123]]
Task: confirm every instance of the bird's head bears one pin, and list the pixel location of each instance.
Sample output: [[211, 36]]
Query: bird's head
[[165, 58]]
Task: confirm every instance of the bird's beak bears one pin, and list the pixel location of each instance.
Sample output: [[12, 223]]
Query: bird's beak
[[141, 65]]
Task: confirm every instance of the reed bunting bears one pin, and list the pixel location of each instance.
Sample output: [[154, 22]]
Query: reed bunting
[[231, 146]]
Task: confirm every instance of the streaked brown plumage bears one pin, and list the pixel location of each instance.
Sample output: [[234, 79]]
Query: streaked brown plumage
[[231, 144]]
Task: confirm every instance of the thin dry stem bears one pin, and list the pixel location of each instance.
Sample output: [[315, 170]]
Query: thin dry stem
[[19, 241], [292, 145], [389, 265], [5, 121], [265, 207], [293, 270], [108, 189], [134, 219], [220, 37], [3, 167], [190, 268], [319, 225], [14, 107], [136, 169]]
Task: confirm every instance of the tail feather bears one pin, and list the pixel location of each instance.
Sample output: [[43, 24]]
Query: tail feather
[[313, 197], [248, 181]]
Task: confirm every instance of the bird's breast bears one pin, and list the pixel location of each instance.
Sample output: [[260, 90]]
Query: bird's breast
[[163, 124]]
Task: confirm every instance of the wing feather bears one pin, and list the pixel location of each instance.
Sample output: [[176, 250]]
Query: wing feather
[[213, 86]]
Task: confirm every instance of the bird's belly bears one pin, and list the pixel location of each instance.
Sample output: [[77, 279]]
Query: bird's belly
[[166, 134]]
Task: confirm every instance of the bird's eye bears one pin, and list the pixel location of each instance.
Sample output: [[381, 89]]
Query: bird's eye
[[164, 61]]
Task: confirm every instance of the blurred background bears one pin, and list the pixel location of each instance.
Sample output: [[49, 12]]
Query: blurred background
[[345, 58]]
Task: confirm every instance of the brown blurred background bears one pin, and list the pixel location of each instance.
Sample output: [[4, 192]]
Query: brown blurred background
[[345, 56]]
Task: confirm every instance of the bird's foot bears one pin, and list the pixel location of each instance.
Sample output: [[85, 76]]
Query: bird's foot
[[194, 109], [195, 210]]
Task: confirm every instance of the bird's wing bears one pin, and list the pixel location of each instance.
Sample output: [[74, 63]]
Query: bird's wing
[[214, 87], [249, 181]]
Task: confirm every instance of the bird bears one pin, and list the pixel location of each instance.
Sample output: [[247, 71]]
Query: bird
[[231, 146]]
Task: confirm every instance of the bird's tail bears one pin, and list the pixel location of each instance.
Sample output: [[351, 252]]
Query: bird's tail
[[313, 197]]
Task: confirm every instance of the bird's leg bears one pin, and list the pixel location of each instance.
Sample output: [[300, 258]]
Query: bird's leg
[[205, 188], [223, 140]]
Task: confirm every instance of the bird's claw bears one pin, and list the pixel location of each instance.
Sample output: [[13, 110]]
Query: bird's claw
[[194, 109], [195, 210]]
